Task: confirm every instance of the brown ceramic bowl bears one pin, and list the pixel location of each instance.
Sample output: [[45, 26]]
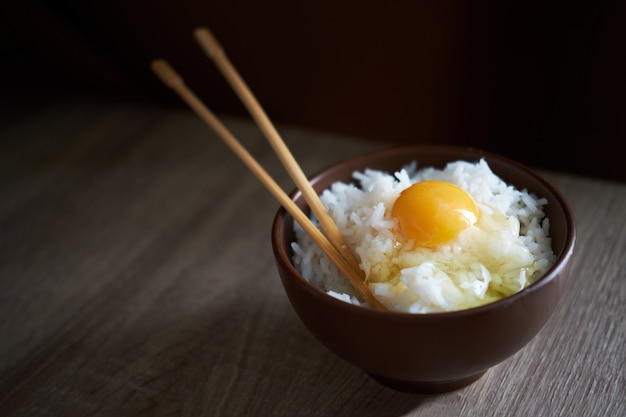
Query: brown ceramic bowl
[[434, 352]]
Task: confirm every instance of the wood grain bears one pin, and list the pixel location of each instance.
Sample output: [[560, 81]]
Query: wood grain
[[123, 289]]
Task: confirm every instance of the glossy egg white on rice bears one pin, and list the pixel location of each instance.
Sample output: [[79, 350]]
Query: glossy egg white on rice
[[506, 250]]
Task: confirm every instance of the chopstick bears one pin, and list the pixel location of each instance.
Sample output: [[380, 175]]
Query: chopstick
[[172, 79], [213, 49]]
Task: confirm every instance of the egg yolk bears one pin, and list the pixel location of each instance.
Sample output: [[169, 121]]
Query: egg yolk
[[434, 212]]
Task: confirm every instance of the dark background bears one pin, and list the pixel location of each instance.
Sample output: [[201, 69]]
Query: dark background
[[541, 82]]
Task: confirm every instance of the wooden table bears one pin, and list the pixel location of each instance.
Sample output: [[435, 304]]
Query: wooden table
[[137, 278]]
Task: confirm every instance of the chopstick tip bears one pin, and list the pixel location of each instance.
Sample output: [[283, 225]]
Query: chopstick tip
[[207, 40], [166, 73]]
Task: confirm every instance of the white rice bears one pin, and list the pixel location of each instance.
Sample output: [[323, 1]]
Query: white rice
[[508, 249]]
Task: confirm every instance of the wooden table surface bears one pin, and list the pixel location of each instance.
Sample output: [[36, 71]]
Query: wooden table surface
[[137, 278]]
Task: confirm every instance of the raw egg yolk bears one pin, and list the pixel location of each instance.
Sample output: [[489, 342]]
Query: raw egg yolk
[[434, 212]]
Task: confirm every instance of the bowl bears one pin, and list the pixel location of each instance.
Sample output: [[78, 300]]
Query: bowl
[[433, 352]]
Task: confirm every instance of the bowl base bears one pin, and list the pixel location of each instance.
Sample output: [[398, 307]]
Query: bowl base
[[427, 387]]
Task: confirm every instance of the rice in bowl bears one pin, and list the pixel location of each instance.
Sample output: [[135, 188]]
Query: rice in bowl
[[506, 250]]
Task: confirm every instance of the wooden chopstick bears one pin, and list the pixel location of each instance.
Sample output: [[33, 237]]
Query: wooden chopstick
[[214, 50], [172, 79]]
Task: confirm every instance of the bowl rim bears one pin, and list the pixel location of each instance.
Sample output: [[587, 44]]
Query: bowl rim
[[563, 258]]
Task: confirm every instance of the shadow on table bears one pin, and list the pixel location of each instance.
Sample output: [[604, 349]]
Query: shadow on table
[[250, 358], [240, 358]]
